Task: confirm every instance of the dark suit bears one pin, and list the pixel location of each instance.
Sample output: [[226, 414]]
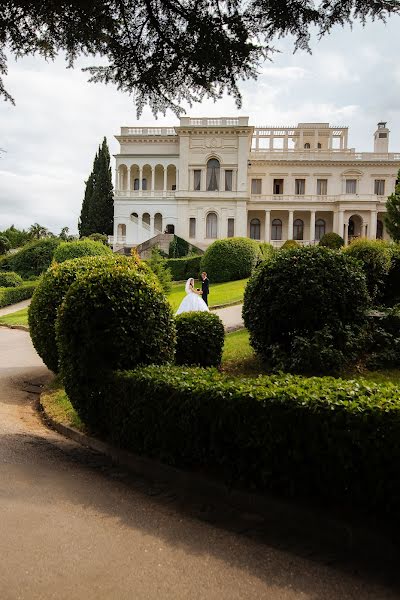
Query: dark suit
[[205, 288]]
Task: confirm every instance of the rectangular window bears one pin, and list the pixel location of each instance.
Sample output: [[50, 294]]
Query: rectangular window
[[192, 227], [380, 187], [300, 187], [256, 186], [196, 180], [231, 227], [322, 187], [278, 186], [228, 181], [351, 186]]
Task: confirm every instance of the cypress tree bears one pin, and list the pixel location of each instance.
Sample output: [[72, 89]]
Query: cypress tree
[[101, 207], [84, 225], [392, 217]]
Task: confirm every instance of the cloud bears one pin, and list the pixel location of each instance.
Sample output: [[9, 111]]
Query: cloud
[[51, 136]]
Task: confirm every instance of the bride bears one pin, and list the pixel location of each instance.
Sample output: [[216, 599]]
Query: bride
[[192, 301]]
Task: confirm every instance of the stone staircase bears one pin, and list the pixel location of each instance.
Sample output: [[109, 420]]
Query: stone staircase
[[160, 241]]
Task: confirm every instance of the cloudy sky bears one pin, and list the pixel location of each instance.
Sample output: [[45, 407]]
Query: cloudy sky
[[51, 135]]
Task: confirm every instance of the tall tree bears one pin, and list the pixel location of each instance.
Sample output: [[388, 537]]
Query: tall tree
[[37, 231], [392, 217], [165, 51], [97, 212]]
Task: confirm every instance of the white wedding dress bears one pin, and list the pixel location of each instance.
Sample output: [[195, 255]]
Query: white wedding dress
[[192, 302]]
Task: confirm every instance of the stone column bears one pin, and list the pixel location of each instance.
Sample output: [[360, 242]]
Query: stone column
[[373, 223], [140, 178], [312, 226], [165, 178], [346, 233], [152, 233], [340, 223], [290, 226], [128, 180], [267, 233], [153, 175], [117, 187]]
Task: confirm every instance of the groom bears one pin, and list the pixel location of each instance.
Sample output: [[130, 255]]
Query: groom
[[205, 287]]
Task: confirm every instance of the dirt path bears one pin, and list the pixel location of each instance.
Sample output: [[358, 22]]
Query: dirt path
[[72, 526]]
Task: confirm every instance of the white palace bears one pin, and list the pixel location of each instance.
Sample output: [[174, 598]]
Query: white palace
[[216, 178]]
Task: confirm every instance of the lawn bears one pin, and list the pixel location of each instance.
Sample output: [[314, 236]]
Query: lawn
[[17, 318], [58, 406], [220, 293]]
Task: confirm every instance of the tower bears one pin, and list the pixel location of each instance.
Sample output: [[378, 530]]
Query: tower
[[381, 138]]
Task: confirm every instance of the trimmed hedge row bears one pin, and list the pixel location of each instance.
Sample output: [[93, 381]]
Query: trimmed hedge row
[[183, 268], [31, 260], [11, 295], [231, 259], [324, 438], [200, 339], [80, 248], [10, 279]]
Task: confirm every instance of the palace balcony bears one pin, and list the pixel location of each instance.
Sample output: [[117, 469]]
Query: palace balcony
[[314, 198]]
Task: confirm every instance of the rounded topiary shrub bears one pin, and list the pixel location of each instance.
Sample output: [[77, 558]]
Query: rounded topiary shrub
[[230, 259], [266, 251], [10, 279], [306, 310], [290, 244], [50, 293], [331, 240], [77, 249], [32, 259], [199, 339], [375, 258], [110, 319]]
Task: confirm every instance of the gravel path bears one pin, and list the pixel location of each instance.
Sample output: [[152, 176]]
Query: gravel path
[[72, 526]]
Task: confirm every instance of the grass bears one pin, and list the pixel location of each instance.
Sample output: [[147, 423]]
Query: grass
[[238, 357], [220, 293], [20, 317], [58, 406]]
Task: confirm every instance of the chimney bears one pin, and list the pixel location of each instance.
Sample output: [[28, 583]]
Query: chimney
[[381, 138]]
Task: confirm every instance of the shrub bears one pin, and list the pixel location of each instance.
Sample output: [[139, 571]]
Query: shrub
[[79, 248], [32, 259], [230, 259], [375, 257], [113, 318], [266, 250], [178, 247], [391, 290], [199, 339], [305, 310], [50, 293], [321, 438], [331, 240], [290, 244], [5, 244], [98, 237], [159, 267], [10, 279], [382, 348], [183, 268], [11, 295]]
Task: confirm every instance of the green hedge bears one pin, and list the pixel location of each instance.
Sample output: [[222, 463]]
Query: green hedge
[[199, 339], [32, 260], [331, 240], [183, 268], [231, 259], [13, 295], [290, 244], [80, 248], [10, 279], [391, 291], [375, 258], [323, 438]]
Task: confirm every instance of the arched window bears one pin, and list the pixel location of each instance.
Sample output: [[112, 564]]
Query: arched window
[[144, 183], [319, 229], [307, 146], [298, 229], [351, 228], [134, 217], [212, 175], [255, 227], [276, 233], [136, 183], [212, 225], [319, 146], [158, 222], [146, 220], [379, 229], [121, 231]]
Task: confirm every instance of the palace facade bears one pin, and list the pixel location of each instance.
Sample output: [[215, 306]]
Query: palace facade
[[215, 178]]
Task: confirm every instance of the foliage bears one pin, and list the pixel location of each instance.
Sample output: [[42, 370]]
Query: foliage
[[375, 258], [199, 339], [159, 52], [305, 310], [391, 289], [10, 279], [267, 250], [178, 247], [322, 438], [11, 295], [65, 236], [98, 237], [392, 215], [50, 293], [230, 259], [159, 267], [220, 293], [331, 240], [183, 268], [382, 348], [31, 260], [38, 232], [113, 318], [79, 248], [97, 214], [16, 237], [290, 244], [5, 244]]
